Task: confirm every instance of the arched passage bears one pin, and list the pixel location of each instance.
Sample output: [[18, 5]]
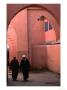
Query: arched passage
[[25, 26], [12, 42]]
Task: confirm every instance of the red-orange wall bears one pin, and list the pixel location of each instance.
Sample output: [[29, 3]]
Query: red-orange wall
[[36, 29], [54, 9], [53, 60], [12, 42], [12, 9], [50, 35], [29, 31], [19, 24], [40, 55], [46, 56]]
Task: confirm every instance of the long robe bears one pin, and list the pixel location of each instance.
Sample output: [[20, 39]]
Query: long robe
[[25, 67], [14, 65]]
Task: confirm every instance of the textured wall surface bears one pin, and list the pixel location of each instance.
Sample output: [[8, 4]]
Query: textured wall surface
[[12, 9], [12, 42], [53, 54], [26, 34], [46, 56], [39, 56], [19, 23], [54, 9]]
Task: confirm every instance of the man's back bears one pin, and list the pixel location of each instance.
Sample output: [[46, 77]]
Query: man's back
[[14, 64], [24, 65]]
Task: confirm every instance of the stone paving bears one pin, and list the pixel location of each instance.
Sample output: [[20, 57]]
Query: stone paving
[[45, 78]]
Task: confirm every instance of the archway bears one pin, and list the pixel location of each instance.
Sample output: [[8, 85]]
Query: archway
[[22, 23]]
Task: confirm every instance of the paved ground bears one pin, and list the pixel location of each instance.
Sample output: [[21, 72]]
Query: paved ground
[[45, 78]]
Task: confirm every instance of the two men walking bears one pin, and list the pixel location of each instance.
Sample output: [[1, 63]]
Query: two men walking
[[24, 67]]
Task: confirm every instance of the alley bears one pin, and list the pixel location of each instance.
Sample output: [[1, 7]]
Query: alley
[[45, 78]]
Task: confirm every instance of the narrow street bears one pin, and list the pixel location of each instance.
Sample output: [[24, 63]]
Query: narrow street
[[45, 78]]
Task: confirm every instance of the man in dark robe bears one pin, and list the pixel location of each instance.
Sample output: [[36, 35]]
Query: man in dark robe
[[14, 66], [25, 67]]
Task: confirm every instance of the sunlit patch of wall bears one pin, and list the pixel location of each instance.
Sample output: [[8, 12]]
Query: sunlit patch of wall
[[17, 32], [12, 42]]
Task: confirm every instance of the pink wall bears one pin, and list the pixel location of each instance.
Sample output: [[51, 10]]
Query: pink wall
[[39, 56], [46, 56], [31, 33], [19, 23], [50, 35], [12, 9], [12, 42], [53, 54], [36, 28]]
